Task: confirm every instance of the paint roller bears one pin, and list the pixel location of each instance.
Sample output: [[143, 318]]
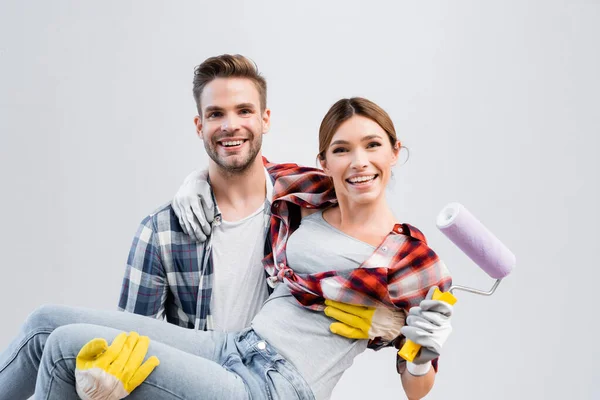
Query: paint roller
[[477, 242]]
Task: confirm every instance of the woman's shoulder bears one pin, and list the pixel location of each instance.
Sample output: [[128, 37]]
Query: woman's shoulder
[[330, 210]]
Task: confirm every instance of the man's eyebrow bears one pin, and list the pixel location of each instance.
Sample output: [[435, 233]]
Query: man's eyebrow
[[245, 105], [212, 108], [237, 106]]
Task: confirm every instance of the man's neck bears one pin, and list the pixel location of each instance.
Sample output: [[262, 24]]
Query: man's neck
[[238, 195]]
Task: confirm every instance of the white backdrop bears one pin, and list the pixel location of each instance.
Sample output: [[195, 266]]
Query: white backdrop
[[498, 102]]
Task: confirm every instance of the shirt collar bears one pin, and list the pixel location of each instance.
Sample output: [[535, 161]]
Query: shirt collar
[[269, 186], [411, 231], [268, 199]]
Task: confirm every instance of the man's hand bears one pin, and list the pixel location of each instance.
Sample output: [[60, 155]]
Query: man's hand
[[194, 206], [428, 325], [111, 372], [360, 322]]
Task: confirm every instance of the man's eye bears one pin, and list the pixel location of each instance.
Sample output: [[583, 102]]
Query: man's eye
[[245, 111], [214, 114]]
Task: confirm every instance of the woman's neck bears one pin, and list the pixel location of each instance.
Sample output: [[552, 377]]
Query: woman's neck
[[369, 222]]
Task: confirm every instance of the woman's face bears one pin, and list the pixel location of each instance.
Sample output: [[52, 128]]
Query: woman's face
[[359, 159]]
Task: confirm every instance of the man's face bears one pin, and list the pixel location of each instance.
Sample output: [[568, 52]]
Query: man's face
[[232, 123]]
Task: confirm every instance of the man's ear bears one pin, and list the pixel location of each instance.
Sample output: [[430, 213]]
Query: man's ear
[[198, 125], [266, 118]]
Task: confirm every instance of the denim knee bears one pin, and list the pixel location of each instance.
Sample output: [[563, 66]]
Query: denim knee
[[43, 318], [59, 339]]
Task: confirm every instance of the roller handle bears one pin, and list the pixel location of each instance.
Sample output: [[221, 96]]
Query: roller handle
[[410, 349]]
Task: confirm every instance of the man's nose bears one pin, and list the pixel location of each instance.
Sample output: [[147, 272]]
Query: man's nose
[[230, 124]]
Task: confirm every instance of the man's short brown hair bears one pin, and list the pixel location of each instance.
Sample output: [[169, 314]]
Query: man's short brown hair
[[228, 66]]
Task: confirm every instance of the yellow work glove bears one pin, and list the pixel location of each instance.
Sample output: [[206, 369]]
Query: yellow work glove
[[360, 322], [111, 372]]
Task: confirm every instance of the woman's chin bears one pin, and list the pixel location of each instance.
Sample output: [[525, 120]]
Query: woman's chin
[[364, 198]]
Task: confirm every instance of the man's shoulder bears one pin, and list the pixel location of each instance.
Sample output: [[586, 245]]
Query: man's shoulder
[[162, 219]]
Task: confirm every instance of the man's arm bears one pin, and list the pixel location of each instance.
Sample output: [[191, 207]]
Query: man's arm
[[194, 207], [144, 289]]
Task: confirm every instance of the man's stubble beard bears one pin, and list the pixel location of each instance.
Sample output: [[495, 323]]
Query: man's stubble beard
[[236, 168]]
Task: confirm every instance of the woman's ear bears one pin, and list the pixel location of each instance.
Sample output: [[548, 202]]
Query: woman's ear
[[396, 152], [323, 163]]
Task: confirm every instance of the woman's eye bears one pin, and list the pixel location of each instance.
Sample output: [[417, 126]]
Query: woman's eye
[[373, 144], [339, 150]]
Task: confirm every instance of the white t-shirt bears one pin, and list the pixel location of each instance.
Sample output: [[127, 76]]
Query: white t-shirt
[[239, 284]]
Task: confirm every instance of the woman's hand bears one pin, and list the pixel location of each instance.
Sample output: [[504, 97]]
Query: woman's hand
[[112, 372], [360, 322], [428, 325]]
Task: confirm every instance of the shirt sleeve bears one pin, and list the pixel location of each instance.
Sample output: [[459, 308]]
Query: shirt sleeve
[[144, 288]]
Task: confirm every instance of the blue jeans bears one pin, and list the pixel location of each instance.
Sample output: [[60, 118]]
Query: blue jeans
[[193, 364]]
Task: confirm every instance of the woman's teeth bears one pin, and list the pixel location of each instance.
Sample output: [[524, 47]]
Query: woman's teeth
[[361, 179]]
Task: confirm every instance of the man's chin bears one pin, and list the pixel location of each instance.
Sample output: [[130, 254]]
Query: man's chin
[[235, 166]]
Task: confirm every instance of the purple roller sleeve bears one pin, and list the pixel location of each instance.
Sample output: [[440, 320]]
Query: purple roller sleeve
[[475, 240]]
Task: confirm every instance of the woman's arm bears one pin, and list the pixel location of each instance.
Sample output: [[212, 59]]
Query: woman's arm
[[427, 325], [417, 387]]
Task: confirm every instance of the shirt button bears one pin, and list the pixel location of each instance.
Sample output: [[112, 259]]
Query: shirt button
[[384, 248], [218, 218], [261, 345], [281, 265]]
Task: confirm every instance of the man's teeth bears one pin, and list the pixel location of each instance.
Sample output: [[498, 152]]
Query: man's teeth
[[232, 143], [360, 179]]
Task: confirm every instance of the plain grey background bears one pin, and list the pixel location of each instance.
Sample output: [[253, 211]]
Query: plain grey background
[[498, 102]]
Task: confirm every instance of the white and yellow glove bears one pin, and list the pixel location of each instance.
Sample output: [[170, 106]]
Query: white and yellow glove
[[360, 322], [194, 207], [428, 325], [112, 372]]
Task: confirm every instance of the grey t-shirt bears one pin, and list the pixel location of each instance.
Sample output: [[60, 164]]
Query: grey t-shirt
[[301, 335], [239, 288]]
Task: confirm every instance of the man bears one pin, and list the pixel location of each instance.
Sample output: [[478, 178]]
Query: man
[[218, 284], [212, 277]]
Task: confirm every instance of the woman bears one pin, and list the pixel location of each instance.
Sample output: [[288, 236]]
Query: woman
[[285, 354]]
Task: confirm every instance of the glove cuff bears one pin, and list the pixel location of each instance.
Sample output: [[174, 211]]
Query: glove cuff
[[97, 384], [386, 323], [418, 369]]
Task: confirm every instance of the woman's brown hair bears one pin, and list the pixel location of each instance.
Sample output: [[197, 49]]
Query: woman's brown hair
[[345, 109]]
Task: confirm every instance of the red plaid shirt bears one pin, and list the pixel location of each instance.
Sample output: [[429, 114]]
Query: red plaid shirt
[[397, 275]]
